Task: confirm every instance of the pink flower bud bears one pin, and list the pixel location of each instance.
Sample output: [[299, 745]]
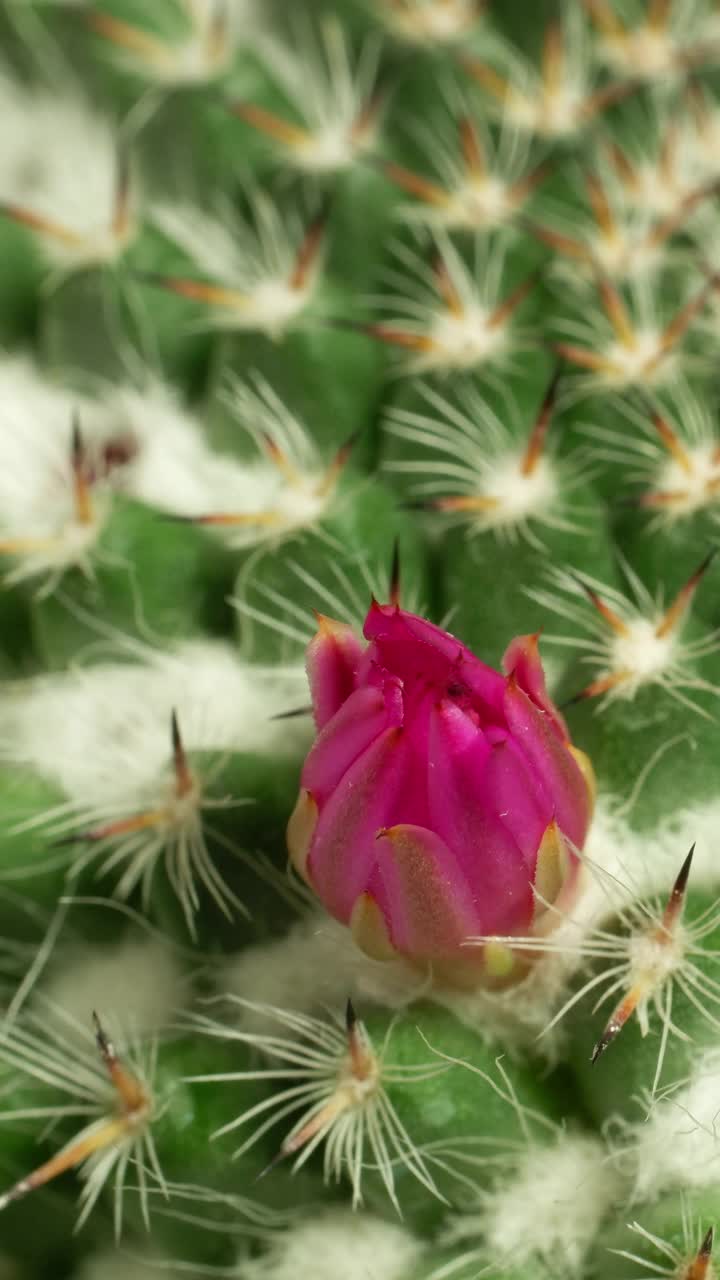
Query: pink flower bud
[[441, 800]]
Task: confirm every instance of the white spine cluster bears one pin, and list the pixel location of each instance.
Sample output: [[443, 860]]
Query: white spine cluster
[[64, 174], [260, 273]]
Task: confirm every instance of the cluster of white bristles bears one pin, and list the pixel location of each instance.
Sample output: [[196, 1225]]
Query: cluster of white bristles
[[125, 744]]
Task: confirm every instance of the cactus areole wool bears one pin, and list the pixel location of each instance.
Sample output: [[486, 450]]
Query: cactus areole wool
[[441, 799]]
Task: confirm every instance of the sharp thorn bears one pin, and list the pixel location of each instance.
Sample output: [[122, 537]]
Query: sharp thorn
[[293, 714]]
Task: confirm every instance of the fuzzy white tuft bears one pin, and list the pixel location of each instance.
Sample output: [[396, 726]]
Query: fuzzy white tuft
[[119, 740], [550, 1209], [115, 976], [61, 165], [676, 1147], [315, 966], [286, 488], [171, 466], [101, 732], [339, 1243], [43, 531]]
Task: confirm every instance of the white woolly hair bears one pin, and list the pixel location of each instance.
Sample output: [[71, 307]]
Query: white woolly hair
[[549, 1209], [120, 742], [285, 487], [336, 1243], [115, 977], [314, 967], [59, 160], [675, 1147], [41, 528], [35, 426], [173, 467], [102, 732]]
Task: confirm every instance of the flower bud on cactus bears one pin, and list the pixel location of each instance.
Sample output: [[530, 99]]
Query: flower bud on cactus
[[441, 800]]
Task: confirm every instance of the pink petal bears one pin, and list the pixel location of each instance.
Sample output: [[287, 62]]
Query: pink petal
[[560, 776], [366, 714], [431, 910], [417, 650], [344, 851], [513, 791], [463, 811], [332, 659], [522, 659]]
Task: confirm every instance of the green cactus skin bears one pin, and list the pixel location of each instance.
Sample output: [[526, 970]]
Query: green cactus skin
[[585, 138]]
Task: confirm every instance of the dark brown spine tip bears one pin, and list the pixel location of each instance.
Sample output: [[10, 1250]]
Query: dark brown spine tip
[[276, 1160], [599, 1049], [706, 1247], [76, 440], [65, 842], [293, 714], [101, 1038], [705, 565], [613, 1029], [175, 732], [550, 397], [350, 1016], [684, 874], [574, 700]]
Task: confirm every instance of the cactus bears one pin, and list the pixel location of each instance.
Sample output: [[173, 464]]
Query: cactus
[[359, 486]]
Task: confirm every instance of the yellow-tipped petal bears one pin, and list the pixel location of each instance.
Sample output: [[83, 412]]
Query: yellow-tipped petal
[[368, 928], [300, 830], [584, 764]]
